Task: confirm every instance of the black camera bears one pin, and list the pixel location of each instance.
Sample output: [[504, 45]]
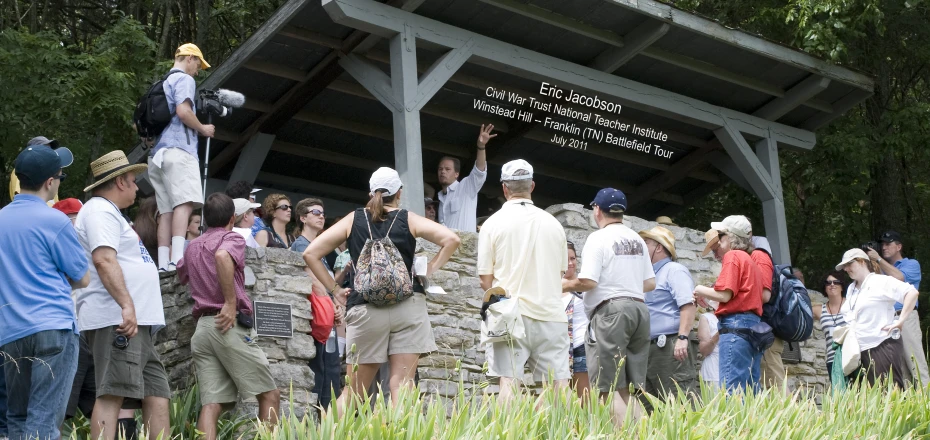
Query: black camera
[[121, 341], [210, 104], [874, 245]]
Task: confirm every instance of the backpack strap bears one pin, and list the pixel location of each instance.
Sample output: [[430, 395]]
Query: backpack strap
[[388, 234], [171, 72]]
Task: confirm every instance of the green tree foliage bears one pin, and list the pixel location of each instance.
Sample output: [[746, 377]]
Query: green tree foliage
[[868, 172]]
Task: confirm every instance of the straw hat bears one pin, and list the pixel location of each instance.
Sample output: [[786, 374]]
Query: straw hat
[[111, 165], [711, 237], [662, 236], [665, 220]]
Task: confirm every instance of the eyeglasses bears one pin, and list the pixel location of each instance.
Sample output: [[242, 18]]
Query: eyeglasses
[[284, 207], [60, 177], [833, 283], [316, 212]]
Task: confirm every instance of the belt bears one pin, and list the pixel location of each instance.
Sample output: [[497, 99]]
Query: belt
[[208, 313], [670, 335], [739, 331], [619, 298]]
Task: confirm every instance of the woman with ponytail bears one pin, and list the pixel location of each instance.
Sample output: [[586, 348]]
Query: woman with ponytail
[[398, 333]]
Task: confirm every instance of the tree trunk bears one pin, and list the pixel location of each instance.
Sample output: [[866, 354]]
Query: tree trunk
[[887, 186], [163, 48], [203, 22]]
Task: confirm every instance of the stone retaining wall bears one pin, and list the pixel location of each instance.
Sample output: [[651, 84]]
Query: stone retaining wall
[[278, 275]]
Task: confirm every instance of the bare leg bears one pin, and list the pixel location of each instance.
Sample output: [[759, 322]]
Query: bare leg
[[164, 229], [582, 385], [403, 369], [622, 403], [269, 403], [357, 386], [508, 388], [209, 417], [155, 417], [103, 418], [182, 214]]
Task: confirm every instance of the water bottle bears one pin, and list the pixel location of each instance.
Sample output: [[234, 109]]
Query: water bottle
[[331, 342], [895, 333]]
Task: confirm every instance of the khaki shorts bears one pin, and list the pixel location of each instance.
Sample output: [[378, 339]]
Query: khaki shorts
[[228, 365], [617, 345], [134, 372], [379, 332], [177, 181], [773, 367], [542, 350]]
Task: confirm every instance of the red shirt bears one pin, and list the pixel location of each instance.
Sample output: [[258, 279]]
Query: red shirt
[[198, 268], [764, 262], [741, 276]]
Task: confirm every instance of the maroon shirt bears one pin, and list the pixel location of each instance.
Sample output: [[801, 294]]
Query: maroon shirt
[[198, 268]]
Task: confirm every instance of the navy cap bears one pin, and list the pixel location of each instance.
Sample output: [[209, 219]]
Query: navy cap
[[890, 236], [610, 200], [37, 163]]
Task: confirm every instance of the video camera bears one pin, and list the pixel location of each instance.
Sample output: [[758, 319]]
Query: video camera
[[874, 245], [220, 102]]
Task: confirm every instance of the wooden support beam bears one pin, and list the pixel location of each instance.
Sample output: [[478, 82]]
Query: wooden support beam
[[633, 44], [605, 36], [839, 108], [670, 177], [800, 93], [749, 165], [384, 20], [314, 188], [252, 157], [725, 164]]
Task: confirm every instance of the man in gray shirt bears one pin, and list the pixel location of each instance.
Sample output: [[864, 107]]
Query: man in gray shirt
[[174, 168]]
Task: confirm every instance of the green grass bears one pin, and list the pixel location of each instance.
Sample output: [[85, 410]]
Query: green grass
[[859, 413]]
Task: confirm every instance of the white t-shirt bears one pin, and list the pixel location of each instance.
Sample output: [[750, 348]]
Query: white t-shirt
[[100, 224], [615, 258], [872, 306], [710, 368], [579, 319], [246, 233], [524, 248]]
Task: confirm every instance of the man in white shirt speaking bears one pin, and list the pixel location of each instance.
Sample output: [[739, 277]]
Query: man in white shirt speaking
[[615, 273], [458, 200]]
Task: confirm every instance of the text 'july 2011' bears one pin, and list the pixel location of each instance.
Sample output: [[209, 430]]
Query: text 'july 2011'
[[574, 128]]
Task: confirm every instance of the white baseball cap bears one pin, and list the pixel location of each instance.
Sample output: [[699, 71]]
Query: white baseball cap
[[243, 206], [850, 256], [735, 224], [385, 179], [510, 169]]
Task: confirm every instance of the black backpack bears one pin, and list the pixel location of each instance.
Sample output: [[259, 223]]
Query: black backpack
[[789, 311], [152, 114]]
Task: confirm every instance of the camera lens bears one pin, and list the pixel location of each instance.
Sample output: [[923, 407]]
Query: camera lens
[[120, 341]]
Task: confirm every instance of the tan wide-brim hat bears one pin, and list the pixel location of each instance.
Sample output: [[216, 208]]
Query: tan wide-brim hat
[[662, 236], [665, 220], [111, 165], [711, 237]]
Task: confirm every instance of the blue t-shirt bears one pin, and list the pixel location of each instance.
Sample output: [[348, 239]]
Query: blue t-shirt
[[911, 270], [674, 289], [40, 249], [258, 226], [179, 87]]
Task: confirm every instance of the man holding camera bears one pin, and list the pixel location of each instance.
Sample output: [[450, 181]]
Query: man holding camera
[[227, 360], [121, 309], [174, 169], [892, 263]]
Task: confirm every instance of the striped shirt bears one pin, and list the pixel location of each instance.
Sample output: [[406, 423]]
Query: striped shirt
[[828, 322]]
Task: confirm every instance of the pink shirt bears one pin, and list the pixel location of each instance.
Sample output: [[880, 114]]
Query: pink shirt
[[198, 268]]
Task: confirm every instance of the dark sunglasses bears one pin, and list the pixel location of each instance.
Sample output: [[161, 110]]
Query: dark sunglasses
[[316, 212], [284, 207], [833, 283], [60, 177]]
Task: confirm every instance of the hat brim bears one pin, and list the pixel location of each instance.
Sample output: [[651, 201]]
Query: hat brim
[[65, 156], [845, 262], [670, 247], [711, 243], [118, 172]]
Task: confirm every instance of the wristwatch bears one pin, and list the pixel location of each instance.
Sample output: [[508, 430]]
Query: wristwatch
[[682, 337]]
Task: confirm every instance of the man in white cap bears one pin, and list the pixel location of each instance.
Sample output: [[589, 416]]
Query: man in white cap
[[174, 170], [616, 272], [521, 249], [671, 317], [121, 310], [458, 200]]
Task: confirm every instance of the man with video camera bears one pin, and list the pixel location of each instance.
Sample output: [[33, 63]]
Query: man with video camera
[[892, 263], [173, 164]]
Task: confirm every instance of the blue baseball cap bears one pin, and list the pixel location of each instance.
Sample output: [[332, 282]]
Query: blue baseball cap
[[610, 200], [38, 162]]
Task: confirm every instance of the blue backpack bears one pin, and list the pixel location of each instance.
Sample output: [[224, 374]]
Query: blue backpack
[[789, 311]]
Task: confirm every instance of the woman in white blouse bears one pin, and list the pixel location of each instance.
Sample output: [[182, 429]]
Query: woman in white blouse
[[869, 308]]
